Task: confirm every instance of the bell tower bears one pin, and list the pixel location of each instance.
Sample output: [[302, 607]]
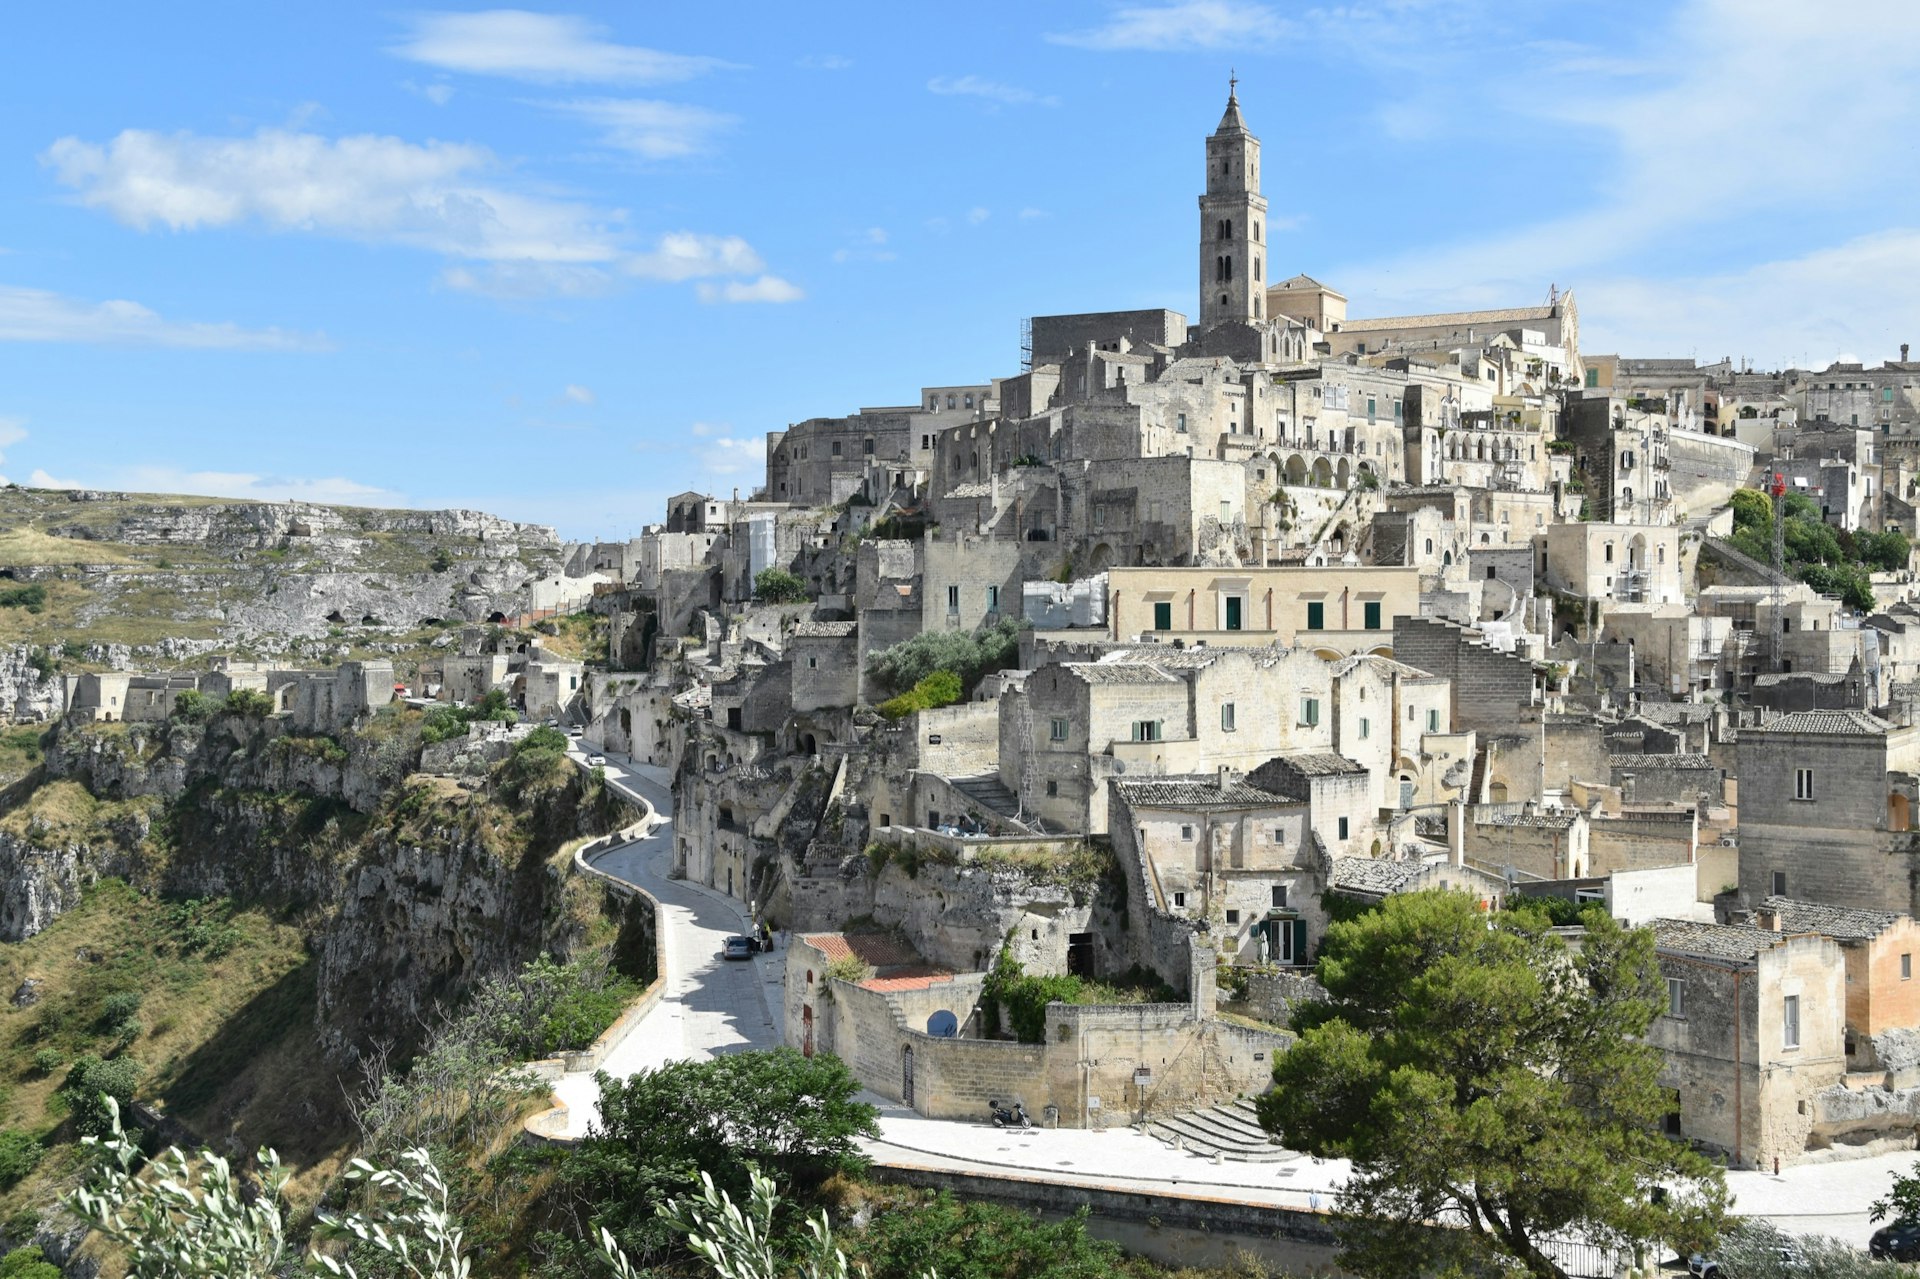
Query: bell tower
[[1233, 224]]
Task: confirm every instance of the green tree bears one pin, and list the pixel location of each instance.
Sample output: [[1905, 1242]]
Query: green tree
[[941, 688], [192, 707], [97, 1089], [796, 1117], [972, 657], [1479, 1073], [1887, 552], [1752, 510], [1902, 1200], [249, 702], [777, 586], [974, 1239]]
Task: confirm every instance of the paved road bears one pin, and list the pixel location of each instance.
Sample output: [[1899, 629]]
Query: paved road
[[710, 1005]]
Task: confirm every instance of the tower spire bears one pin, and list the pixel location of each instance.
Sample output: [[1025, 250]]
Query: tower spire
[[1233, 84]]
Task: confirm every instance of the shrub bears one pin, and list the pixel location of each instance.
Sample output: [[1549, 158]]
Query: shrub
[[941, 688], [192, 707], [441, 724], [19, 1154], [32, 597], [970, 657], [248, 702], [777, 586], [90, 1083], [28, 1263], [580, 1015], [119, 1006], [48, 1060]]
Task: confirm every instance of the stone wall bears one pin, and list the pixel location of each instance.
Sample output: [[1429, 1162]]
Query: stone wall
[[1640, 841], [1489, 687]]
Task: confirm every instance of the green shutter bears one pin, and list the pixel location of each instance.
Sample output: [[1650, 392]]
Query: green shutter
[[1299, 941], [1233, 612], [1316, 617], [1163, 616], [1373, 615]]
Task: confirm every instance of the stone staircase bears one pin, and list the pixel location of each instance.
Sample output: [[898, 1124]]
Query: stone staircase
[[988, 791], [1230, 1131]]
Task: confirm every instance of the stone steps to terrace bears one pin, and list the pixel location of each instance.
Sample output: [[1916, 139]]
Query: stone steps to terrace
[[988, 791], [1231, 1131]]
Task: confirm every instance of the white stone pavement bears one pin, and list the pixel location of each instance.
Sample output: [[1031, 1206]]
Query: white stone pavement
[[712, 1006]]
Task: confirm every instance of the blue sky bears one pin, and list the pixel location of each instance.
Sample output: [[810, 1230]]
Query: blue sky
[[561, 263]]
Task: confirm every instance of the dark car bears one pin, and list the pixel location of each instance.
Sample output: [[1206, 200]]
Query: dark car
[[737, 947], [1896, 1241]]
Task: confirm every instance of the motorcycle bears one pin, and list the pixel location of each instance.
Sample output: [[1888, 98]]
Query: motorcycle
[[1005, 1118]]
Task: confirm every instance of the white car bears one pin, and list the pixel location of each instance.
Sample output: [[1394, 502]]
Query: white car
[[596, 761]]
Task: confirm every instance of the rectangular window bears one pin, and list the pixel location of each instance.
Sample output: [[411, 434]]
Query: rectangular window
[[1433, 721], [1182, 424], [1234, 606], [1179, 900], [1790, 1022], [1226, 717], [1146, 730], [836, 448], [1186, 832], [1370, 408], [1343, 828], [1226, 512], [813, 663], [1676, 998], [1058, 731], [1233, 917], [1279, 896], [1372, 610], [1163, 615], [953, 599], [1803, 783], [1310, 711], [1779, 883], [1366, 728], [1316, 616], [993, 599], [1906, 967]]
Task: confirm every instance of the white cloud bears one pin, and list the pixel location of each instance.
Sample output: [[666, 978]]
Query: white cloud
[[149, 478], [976, 215], [768, 288], [684, 255], [364, 187], [824, 62], [651, 130], [725, 455], [702, 430], [578, 394], [1029, 214], [382, 190], [1186, 25], [520, 281], [1854, 297], [547, 48], [973, 86], [438, 92], [870, 246], [35, 315]]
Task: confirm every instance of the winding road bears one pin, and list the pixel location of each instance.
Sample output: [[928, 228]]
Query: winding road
[[710, 1006]]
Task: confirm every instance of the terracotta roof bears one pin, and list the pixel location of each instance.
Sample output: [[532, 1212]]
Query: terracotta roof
[[882, 950], [1714, 941], [1197, 791], [908, 979], [1462, 319], [1842, 922], [1848, 723]]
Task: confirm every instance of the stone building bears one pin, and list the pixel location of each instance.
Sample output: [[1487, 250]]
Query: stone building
[[1335, 610], [1826, 808], [1754, 1032]]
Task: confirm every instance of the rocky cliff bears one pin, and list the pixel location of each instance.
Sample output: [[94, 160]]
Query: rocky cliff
[[408, 887], [197, 573]]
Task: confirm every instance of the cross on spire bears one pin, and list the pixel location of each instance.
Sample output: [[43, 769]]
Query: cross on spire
[[1233, 82]]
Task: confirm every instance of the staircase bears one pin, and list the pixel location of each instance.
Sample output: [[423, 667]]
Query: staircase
[[1225, 1132], [988, 791], [1734, 558]]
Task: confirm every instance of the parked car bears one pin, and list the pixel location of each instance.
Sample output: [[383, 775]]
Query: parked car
[[737, 947], [1703, 1267], [596, 761], [1896, 1241]]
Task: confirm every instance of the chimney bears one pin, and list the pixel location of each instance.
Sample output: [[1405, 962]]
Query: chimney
[[1903, 353], [1457, 833], [1767, 920], [1226, 777]]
